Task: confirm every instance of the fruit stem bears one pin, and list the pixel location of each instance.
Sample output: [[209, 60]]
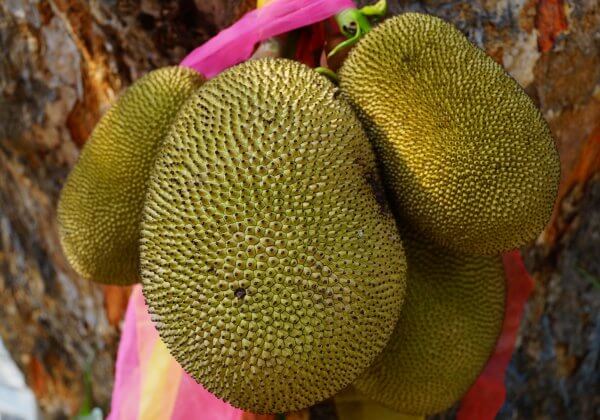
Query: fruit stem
[[354, 23], [330, 74]]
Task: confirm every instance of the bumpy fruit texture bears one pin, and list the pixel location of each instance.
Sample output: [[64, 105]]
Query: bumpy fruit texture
[[100, 207], [469, 159], [270, 261], [448, 327]]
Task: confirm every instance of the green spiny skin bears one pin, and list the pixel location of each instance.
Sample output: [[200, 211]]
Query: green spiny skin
[[100, 205], [466, 154], [448, 327], [270, 260]]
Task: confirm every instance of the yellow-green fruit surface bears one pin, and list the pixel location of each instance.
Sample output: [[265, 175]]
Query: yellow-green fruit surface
[[100, 206], [469, 159], [271, 263], [448, 327]]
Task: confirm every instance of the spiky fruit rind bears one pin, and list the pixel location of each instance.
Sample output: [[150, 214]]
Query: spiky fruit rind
[[468, 157], [100, 206], [270, 260], [448, 327]]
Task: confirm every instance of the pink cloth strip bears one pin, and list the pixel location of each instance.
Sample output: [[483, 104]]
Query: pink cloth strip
[[126, 391], [236, 43]]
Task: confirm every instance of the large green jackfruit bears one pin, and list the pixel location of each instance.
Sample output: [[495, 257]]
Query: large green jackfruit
[[448, 327], [469, 159], [270, 261], [100, 205]]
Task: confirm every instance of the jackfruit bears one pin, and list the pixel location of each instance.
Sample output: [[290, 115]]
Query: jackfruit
[[271, 263], [466, 155], [100, 206], [448, 327]]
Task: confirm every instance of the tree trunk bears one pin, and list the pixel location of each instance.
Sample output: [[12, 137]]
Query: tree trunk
[[64, 61]]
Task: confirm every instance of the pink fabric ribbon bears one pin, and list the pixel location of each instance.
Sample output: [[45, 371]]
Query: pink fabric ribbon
[[236, 43]]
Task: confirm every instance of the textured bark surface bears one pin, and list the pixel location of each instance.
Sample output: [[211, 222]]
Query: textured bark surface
[[64, 61]]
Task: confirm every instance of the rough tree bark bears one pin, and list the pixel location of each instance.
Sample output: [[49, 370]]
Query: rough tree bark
[[62, 63]]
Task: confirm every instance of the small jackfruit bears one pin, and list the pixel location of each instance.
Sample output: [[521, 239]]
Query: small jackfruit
[[466, 154], [448, 327], [100, 205], [271, 263]]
